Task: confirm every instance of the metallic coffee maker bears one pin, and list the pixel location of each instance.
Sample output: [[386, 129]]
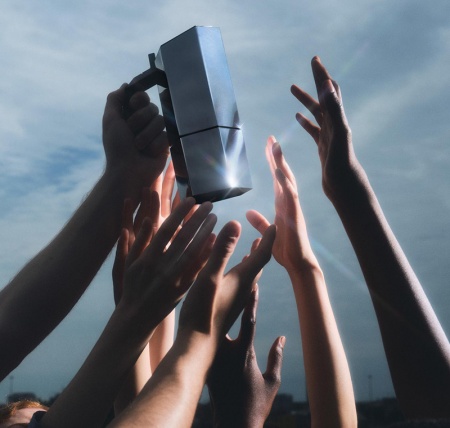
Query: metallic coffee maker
[[201, 116]]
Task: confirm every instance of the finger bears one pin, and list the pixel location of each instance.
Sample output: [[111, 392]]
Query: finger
[[338, 89], [167, 190], [309, 127], [281, 164], [253, 248], [251, 267], [248, 320], [272, 376], [127, 220], [292, 208], [333, 105], [270, 160], [176, 200], [197, 253], [309, 102], [118, 269], [257, 220], [144, 208], [320, 73], [255, 244], [186, 234], [149, 209], [290, 192], [170, 225], [114, 106], [141, 242], [156, 146], [139, 100], [191, 213], [149, 131], [270, 142], [206, 251], [223, 249], [142, 115], [157, 184]]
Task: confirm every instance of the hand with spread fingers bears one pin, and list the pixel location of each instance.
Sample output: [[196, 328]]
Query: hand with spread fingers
[[417, 349], [332, 133], [328, 379], [242, 396], [291, 246], [157, 276], [136, 151], [209, 310], [162, 338]]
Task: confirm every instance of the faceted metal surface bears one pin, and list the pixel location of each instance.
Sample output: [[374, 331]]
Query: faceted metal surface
[[216, 164], [199, 81], [202, 120]]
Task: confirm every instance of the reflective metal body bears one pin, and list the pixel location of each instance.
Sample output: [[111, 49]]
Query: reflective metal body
[[201, 116]]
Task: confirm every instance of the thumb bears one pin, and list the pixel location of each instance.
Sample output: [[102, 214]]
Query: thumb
[[272, 376]]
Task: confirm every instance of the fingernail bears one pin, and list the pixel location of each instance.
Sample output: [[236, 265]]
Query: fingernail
[[272, 139], [276, 147], [281, 342]]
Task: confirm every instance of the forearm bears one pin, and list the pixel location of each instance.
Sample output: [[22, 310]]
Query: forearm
[[88, 398], [134, 382], [162, 340], [416, 347], [329, 385], [47, 288], [171, 395]]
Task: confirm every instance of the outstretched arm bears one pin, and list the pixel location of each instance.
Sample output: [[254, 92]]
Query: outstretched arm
[[47, 288], [156, 279], [417, 350], [212, 305], [242, 396], [162, 338], [328, 380]]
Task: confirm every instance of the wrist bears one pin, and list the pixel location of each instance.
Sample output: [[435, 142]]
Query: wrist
[[351, 182], [198, 349], [304, 270], [128, 318], [123, 183]]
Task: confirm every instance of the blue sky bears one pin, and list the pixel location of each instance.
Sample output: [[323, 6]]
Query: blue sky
[[392, 61]]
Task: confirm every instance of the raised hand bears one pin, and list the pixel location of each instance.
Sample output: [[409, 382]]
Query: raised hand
[[240, 394], [137, 147], [216, 300], [291, 246], [417, 349], [152, 206], [329, 383], [157, 276], [210, 308], [332, 133]]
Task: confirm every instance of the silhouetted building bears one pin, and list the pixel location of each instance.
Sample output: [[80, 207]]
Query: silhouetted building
[[17, 396]]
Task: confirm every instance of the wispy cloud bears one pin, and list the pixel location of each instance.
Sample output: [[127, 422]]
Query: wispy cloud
[[59, 61]]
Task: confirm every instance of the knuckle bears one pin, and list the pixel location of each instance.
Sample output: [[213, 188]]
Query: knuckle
[[250, 321], [273, 379], [250, 356]]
